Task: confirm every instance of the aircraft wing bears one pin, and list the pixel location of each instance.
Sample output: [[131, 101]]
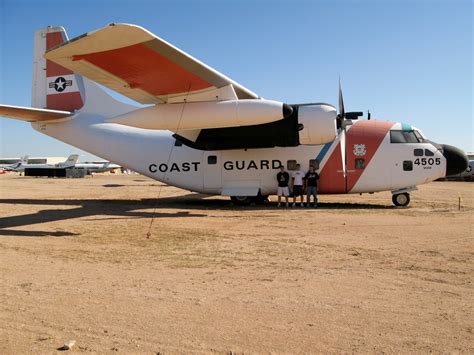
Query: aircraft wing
[[31, 114], [136, 63]]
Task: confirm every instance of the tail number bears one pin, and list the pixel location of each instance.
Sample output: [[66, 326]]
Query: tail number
[[427, 161]]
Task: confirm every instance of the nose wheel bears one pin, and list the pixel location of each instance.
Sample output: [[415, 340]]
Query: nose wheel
[[401, 200]]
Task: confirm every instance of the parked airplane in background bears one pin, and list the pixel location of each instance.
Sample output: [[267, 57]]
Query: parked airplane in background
[[466, 175], [98, 167], [13, 166], [204, 132], [68, 163]]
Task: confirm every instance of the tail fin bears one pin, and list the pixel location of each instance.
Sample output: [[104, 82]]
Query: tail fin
[[54, 87], [57, 88], [71, 161]]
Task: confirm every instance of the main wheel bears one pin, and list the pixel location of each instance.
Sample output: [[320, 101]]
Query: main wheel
[[242, 200], [401, 200]]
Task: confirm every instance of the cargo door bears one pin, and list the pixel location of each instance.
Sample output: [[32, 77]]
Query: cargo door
[[212, 172]]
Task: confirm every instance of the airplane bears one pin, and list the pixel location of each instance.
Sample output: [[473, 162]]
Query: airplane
[[466, 175], [204, 132], [97, 167], [68, 163], [13, 166]]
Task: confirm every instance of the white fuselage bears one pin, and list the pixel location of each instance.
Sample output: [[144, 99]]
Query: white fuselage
[[245, 171]]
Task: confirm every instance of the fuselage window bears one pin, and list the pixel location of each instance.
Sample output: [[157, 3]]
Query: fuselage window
[[291, 165], [418, 152], [212, 159], [428, 153], [360, 163], [177, 143], [407, 165], [315, 163]]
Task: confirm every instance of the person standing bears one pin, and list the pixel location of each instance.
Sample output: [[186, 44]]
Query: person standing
[[283, 178], [297, 181], [311, 183]]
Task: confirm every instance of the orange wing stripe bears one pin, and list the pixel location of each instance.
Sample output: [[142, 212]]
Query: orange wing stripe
[[142, 67]]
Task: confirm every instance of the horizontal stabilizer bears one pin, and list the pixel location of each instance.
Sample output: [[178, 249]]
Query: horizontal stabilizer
[[31, 114]]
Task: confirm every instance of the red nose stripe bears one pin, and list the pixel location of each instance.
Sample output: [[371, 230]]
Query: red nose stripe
[[332, 179], [371, 135], [142, 67]]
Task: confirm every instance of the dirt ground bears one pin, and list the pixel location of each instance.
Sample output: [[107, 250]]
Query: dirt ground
[[355, 275]]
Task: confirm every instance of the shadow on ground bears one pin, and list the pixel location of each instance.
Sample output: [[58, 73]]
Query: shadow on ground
[[127, 208]]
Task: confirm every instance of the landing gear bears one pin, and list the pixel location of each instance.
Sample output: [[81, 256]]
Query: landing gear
[[242, 200], [247, 200], [401, 200]]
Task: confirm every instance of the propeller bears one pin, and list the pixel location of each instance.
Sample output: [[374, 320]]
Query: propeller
[[342, 113], [340, 120], [343, 120]]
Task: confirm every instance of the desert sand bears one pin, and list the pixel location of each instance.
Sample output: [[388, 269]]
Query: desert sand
[[355, 275]]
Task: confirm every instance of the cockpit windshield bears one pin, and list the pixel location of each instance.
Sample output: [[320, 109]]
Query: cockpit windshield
[[399, 136]]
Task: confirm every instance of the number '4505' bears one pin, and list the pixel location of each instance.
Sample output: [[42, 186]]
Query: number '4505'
[[428, 161]]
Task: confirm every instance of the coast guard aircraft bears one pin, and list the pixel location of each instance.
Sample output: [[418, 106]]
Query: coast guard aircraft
[[205, 132]]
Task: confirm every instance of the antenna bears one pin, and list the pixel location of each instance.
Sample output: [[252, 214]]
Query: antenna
[[368, 115]]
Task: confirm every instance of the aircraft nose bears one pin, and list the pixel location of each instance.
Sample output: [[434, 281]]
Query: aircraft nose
[[456, 160]]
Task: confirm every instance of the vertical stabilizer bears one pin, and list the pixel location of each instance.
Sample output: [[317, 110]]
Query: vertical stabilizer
[[70, 161], [54, 87]]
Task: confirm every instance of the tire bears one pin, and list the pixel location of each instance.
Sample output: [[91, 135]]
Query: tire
[[259, 199], [242, 200], [401, 200]]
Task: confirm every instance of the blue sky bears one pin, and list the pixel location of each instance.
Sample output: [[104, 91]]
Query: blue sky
[[408, 61]]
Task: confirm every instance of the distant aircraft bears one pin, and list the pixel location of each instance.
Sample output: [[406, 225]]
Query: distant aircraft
[[68, 163], [98, 167], [467, 175], [13, 166], [206, 133]]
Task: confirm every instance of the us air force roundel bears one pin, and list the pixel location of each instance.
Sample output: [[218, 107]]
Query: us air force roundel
[[60, 84]]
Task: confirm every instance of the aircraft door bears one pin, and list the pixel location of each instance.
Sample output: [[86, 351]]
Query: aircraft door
[[212, 172]]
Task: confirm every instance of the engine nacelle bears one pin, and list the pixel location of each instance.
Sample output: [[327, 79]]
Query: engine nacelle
[[319, 123], [205, 115]]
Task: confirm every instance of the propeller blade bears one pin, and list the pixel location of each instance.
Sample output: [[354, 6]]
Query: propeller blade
[[342, 112], [343, 150]]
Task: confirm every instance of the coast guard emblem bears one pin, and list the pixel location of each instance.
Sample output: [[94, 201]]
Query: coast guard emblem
[[359, 150]]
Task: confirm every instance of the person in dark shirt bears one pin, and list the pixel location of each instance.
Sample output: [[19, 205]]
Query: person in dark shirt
[[311, 183], [283, 177]]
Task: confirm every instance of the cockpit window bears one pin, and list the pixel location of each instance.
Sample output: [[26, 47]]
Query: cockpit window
[[404, 137], [419, 136]]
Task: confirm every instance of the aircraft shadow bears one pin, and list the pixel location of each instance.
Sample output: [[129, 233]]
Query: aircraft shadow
[[127, 208], [106, 209]]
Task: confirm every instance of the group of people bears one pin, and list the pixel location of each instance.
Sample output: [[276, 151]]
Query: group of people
[[300, 183]]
